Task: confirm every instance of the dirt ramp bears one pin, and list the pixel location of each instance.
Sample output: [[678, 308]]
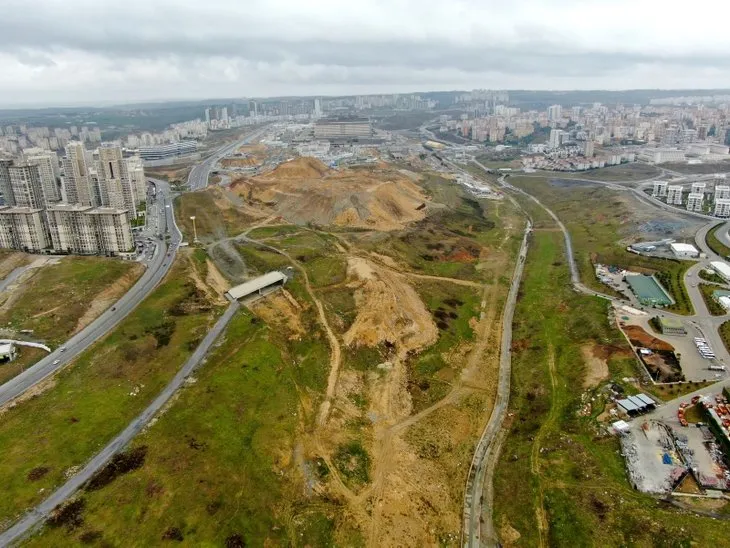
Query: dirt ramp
[[390, 310]]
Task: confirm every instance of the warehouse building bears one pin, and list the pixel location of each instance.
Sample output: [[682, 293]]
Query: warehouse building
[[172, 150], [258, 286], [635, 405], [684, 251], [722, 269], [648, 290], [347, 128], [672, 326]]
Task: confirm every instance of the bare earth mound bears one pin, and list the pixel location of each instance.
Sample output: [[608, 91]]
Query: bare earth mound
[[306, 191]]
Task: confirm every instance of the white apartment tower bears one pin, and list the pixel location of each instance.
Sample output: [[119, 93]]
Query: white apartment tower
[[47, 163], [76, 184], [555, 138], [674, 194], [23, 228], [698, 188], [722, 192], [5, 181], [26, 187], [722, 207], [135, 169], [88, 231], [114, 178], [555, 112], [694, 201], [660, 189]]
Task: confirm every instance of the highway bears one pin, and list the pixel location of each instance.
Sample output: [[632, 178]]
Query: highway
[[63, 493], [198, 178], [157, 268]]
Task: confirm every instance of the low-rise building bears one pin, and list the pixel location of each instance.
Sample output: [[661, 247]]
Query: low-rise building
[[722, 269], [674, 194], [660, 189], [672, 326], [722, 207], [694, 201], [722, 192], [684, 251]]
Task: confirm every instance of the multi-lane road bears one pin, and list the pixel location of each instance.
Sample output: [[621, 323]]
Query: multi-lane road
[[156, 269], [198, 178]]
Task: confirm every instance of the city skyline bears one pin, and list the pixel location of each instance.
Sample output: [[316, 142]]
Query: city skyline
[[222, 49]]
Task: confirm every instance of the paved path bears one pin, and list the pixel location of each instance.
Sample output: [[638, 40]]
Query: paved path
[[479, 470], [156, 270], [41, 512]]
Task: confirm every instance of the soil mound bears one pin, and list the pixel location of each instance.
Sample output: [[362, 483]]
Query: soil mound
[[305, 191]]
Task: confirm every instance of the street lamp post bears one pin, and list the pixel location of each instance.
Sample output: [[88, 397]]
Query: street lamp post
[[195, 232]]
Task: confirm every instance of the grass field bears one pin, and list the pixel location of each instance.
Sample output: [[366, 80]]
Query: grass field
[[222, 464], [625, 172], [717, 167], [57, 296], [715, 244], [596, 227], [212, 222], [93, 399], [453, 307], [556, 469]]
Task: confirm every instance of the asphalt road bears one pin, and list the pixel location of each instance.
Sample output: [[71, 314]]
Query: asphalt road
[[198, 178], [478, 516], [41, 512], [156, 270]]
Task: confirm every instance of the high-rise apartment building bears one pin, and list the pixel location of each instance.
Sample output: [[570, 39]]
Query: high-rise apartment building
[[87, 230], [114, 177], [674, 194], [47, 163], [556, 137], [694, 201], [76, 184], [555, 112], [135, 169], [26, 187], [5, 181], [23, 228], [660, 189], [722, 207]]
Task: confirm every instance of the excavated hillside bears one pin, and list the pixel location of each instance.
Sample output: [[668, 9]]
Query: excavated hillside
[[305, 191]]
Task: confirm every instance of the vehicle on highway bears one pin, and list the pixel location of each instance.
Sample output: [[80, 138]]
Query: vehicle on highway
[[63, 349], [114, 308], [56, 362]]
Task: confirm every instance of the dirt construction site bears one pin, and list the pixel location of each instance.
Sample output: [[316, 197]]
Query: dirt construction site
[[413, 344]]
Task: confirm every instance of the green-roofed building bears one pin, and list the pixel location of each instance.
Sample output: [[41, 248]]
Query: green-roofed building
[[672, 326], [648, 290]]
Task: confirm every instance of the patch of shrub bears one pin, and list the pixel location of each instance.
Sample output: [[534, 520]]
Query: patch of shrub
[[69, 515], [90, 537], [235, 541], [173, 533], [121, 463], [38, 472]]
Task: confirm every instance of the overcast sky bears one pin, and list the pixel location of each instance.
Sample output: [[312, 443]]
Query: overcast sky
[[99, 52]]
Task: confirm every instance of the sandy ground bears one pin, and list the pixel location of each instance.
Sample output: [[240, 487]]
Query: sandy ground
[[596, 366], [306, 191], [12, 261], [282, 310]]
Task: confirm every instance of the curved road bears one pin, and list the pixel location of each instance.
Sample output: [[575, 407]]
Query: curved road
[[198, 178], [156, 270], [487, 451]]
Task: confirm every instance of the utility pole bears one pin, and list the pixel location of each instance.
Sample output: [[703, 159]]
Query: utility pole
[[195, 232]]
